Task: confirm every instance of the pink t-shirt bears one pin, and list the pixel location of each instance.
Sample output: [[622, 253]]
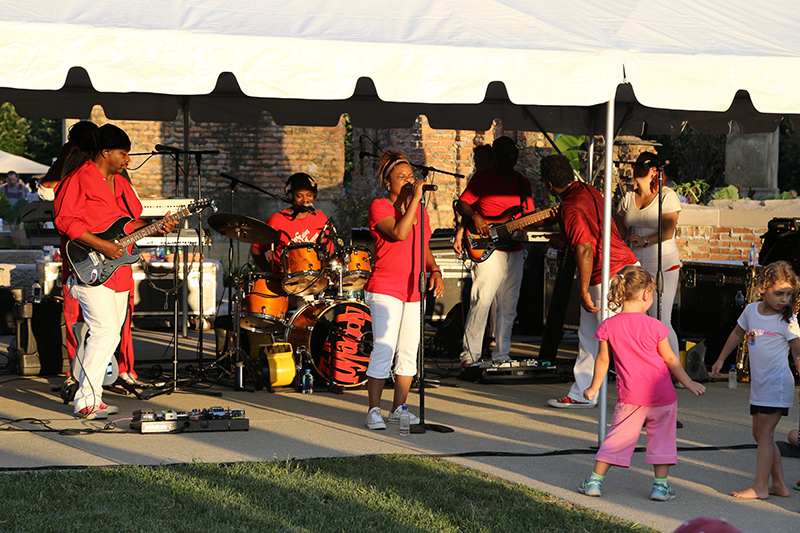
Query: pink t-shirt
[[396, 263], [642, 376]]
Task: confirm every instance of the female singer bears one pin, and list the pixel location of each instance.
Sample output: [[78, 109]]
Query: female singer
[[392, 291], [637, 222]]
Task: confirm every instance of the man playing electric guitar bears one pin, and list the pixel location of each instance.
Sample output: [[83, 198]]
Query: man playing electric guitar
[[87, 202], [491, 193]]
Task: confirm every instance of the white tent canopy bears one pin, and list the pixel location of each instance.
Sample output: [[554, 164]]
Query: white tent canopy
[[584, 66], [20, 165], [386, 63]]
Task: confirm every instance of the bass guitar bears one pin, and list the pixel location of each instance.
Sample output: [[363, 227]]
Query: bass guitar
[[93, 267], [479, 247]]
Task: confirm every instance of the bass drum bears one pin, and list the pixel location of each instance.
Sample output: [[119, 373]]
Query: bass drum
[[338, 335]]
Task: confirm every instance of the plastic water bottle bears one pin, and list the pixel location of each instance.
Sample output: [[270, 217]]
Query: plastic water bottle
[[739, 298], [732, 377], [308, 382], [36, 292], [405, 421], [753, 254]]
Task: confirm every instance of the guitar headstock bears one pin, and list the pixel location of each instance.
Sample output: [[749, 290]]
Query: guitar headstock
[[199, 205]]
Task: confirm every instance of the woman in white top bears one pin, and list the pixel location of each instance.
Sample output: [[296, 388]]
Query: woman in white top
[[637, 222]]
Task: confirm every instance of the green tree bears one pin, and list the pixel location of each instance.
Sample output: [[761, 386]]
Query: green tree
[[14, 130], [694, 156], [44, 141]]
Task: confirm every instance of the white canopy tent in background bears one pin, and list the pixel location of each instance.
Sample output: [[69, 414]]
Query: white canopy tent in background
[[20, 165], [583, 67]]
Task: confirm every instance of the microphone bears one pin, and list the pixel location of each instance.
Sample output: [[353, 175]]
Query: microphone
[[306, 208], [429, 187], [165, 148]]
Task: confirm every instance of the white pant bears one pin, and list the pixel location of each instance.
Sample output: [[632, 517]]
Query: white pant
[[498, 277], [395, 332], [587, 348], [104, 312], [667, 300]]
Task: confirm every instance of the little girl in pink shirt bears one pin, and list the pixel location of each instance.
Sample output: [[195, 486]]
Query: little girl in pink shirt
[[644, 362]]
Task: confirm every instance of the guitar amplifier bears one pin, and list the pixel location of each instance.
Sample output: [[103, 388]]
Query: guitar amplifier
[[455, 273]]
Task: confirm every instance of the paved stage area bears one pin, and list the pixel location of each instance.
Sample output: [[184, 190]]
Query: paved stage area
[[502, 428]]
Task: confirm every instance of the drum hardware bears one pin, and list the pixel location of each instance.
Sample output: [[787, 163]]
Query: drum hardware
[[266, 313]]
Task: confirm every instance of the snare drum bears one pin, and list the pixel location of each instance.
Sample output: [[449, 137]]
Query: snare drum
[[265, 303], [356, 268], [338, 336], [303, 270]]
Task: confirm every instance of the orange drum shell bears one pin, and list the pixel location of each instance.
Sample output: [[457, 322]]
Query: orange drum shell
[[356, 268], [303, 270], [265, 304]]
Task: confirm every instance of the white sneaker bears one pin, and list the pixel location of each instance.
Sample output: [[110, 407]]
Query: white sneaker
[[394, 417], [500, 359], [374, 419]]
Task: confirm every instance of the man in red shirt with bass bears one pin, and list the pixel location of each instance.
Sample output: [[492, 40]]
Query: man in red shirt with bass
[[580, 216]]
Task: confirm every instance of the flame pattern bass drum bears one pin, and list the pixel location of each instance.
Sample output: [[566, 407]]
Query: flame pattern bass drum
[[338, 335]]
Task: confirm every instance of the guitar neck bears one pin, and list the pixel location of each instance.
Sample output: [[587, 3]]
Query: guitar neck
[[152, 228], [519, 223]]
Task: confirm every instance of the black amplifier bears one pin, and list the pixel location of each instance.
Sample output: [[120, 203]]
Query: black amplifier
[[781, 242], [712, 295]]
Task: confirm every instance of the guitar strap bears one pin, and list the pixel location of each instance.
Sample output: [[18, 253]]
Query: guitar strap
[[130, 211], [522, 193]]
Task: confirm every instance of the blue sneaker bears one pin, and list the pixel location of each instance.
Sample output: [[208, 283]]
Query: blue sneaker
[[662, 492], [590, 487]]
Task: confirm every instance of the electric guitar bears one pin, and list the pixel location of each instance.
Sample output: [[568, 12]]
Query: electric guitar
[[479, 247], [93, 267]]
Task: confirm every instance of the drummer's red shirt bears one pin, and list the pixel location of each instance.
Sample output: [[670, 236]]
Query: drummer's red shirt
[[397, 265], [85, 203], [291, 231]]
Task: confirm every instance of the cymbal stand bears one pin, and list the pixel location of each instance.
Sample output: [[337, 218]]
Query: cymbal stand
[[172, 386], [235, 354]]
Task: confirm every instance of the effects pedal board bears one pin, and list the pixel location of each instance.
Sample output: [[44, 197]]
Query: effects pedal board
[[169, 421], [515, 369]]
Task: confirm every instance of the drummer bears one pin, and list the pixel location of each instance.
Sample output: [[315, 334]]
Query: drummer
[[298, 223]]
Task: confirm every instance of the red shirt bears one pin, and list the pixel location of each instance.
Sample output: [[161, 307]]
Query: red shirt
[[397, 268], [84, 202], [581, 218], [490, 195], [291, 230]]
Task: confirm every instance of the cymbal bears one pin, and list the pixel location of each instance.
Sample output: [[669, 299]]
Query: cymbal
[[242, 228]]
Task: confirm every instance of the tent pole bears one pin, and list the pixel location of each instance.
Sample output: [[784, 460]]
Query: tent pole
[[609, 161]]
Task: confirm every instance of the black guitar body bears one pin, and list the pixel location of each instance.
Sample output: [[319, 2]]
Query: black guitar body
[[92, 267]]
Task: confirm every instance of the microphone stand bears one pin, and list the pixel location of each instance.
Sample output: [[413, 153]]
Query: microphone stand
[[422, 427], [425, 169], [659, 273]]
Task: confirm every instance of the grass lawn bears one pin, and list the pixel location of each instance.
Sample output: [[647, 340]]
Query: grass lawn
[[371, 493]]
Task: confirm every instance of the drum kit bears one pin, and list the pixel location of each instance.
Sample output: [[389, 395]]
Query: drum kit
[[331, 329]]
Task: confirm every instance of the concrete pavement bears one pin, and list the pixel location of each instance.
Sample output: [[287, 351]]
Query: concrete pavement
[[504, 429]]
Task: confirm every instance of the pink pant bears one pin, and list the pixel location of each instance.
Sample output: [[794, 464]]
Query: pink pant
[[626, 425]]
